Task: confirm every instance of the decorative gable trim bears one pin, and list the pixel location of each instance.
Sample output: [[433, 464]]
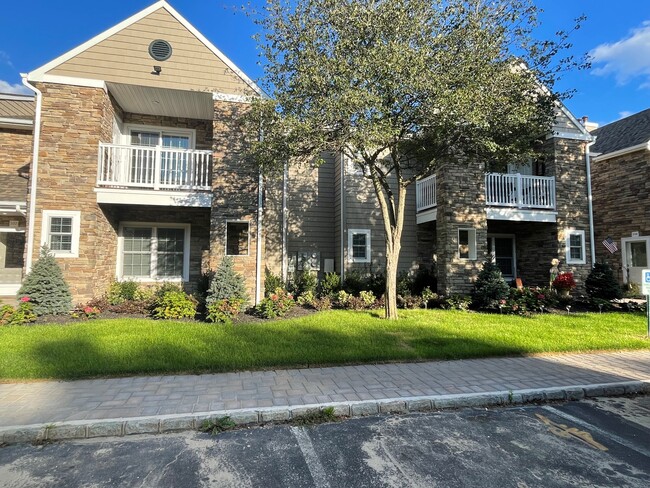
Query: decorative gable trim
[[40, 74]]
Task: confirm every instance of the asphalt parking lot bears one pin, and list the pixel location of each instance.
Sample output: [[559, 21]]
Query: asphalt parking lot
[[599, 442]]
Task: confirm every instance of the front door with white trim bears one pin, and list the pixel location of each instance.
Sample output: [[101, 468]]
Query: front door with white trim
[[502, 249], [636, 257]]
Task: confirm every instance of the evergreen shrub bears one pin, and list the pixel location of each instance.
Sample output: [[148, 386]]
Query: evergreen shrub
[[601, 283], [45, 287], [226, 284], [490, 287]]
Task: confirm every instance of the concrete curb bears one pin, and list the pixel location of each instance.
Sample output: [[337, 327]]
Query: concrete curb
[[159, 424]]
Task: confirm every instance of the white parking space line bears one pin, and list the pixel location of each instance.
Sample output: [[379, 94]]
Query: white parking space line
[[311, 458]]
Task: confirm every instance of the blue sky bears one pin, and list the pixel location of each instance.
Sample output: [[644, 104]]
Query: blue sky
[[617, 33]]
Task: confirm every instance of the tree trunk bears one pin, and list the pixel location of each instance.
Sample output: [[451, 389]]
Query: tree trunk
[[390, 294]]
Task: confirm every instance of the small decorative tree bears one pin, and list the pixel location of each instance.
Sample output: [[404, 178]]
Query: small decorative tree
[[226, 295], [602, 284], [44, 285], [490, 287]]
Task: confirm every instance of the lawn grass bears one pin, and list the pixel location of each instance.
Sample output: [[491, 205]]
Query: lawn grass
[[121, 347]]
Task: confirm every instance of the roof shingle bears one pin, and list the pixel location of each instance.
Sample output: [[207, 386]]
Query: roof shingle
[[628, 132]]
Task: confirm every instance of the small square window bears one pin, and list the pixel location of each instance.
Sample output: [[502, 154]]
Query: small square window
[[359, 245], [237, 238]]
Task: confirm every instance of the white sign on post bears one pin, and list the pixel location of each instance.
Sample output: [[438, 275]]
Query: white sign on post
[[645, 282]]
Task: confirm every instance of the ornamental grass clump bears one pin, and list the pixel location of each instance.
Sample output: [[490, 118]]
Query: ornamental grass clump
[[45, 287]]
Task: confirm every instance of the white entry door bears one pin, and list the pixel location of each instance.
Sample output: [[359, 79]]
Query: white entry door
[[636, 254]]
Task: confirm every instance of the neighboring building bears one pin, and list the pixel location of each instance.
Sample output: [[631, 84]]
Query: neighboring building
[[621, 194], [16, 123], [139, 175]]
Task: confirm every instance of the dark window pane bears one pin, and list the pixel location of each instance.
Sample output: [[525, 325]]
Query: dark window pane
[[237, 238]]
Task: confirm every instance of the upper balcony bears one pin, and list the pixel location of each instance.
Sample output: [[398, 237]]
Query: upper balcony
[[146, 175], [514, 197]]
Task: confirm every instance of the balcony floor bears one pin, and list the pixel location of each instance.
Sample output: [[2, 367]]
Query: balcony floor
[[131, 196]]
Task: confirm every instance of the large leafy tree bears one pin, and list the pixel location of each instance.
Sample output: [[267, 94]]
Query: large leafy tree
[[401, 86]]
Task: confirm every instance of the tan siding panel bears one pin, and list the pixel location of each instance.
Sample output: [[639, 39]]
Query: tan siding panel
[[124, 58]]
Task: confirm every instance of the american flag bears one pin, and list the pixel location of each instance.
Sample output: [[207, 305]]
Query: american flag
[[610, 245]]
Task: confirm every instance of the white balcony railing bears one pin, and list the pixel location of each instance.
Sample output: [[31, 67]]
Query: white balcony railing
[[154, 168], [425, 193], [520, 191]]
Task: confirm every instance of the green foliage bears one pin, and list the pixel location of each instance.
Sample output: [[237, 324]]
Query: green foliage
[[44, 285], [368, 298], [602, 284], [425, 277], [632, 290], [323, 303], [400, 87], [272, 282], [120, 291], [305, 281], [376, 283], [306, 299], [20, 315], [404, 284], [490, 287], [316, 417], [218, 425], [85, 312], [174, 305], [277, 304], [457, 302], [409, 302], [330, 284], [224, 311], [354, 282], [428, 296], [226, 284], [528, 300]]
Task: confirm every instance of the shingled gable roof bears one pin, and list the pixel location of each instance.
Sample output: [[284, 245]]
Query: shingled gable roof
[[623, 134], [48, 73]]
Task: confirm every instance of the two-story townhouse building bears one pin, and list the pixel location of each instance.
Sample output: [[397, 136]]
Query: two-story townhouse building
[[136, 172], [621, 193]]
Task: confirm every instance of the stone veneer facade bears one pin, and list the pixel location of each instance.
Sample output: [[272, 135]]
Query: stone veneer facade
[[74, 121], [621, 195], [461, 205], [15, 151]]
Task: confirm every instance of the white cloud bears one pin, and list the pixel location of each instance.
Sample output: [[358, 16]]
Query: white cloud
[[6, 87], [623, 114], [5, 59], [627, 58]]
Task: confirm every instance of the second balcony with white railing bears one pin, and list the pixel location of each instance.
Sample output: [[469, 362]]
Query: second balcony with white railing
[[154, 168], [520, 191]]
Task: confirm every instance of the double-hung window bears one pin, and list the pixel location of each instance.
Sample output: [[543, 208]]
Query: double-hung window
[[359, 245], [575, 246], [154, 252], [60, 232]]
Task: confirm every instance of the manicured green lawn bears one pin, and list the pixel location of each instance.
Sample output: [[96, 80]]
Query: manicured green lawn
[[128, 346]]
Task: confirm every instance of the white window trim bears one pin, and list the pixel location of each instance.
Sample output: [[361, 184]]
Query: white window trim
[[248, 235], [181, 131], [157, 225], [351, 258], [76, 231], [567, 244], [471, 237]]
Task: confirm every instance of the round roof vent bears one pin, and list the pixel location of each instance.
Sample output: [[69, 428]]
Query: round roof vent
[[160, 50]]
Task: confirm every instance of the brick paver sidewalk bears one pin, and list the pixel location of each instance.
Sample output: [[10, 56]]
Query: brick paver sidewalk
[[53, 401]]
